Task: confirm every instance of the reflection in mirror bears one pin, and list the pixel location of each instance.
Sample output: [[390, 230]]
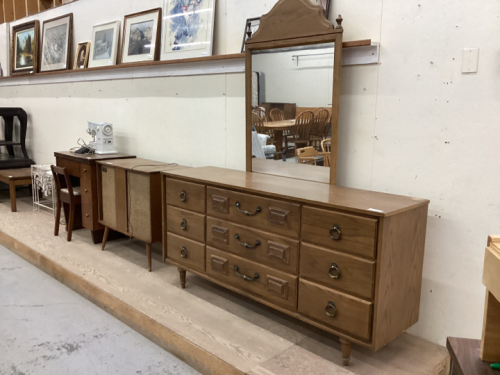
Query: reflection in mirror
[[292, 106]]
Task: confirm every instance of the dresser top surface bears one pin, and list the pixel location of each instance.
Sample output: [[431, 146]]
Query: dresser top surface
[[90, 158], [141, 165], [356, 200]]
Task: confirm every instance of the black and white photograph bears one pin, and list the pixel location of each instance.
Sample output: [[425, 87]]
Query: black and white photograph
[[103, 44], [140, 38], [56, 43]]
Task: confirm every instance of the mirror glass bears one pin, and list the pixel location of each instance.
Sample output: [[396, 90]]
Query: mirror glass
[[292, 91]]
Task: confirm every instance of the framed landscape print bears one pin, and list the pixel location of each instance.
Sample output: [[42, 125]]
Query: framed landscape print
[[252, 25], [104, 46], [82, 56], [24, 52], [188, 28], [141, 36], [57, 34], [325, 4]]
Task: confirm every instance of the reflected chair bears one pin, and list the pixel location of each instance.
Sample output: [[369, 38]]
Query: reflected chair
[[259, 126], [319, 128], [326, 148], [277, 114], [261, 112], [67, 195], [307, 155], [301, 130]]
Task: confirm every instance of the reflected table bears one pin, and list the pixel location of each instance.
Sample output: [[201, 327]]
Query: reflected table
[[278, 127]]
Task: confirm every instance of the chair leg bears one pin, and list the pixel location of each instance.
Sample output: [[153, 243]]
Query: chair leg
[[12, 188], [71, 220], [105, 237], [182, 276], [58, 218], [148, 253]]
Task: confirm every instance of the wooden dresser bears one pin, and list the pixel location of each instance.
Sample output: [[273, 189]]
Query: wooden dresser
[[345, 260]]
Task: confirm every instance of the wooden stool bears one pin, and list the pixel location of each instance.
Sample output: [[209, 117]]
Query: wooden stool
[[13, 178]]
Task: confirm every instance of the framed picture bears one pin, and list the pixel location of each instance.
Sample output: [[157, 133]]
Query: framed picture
[[82, 56], [325, 4], [188, 28], [24, 52], [104, 48], [57, 35], [252, 25], [141, 36]]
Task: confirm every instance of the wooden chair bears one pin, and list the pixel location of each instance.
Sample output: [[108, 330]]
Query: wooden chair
[[261, 112], [326, 148], [68, 195], [258, 124], [307, 155], [302, 129], [319, 128], [277, 115]]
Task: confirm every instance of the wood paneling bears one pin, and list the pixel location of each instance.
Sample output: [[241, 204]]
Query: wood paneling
[[19, 9], [490, 344], [8, 10], [32, 7], [45, 4], [2, 17], [57, 3]]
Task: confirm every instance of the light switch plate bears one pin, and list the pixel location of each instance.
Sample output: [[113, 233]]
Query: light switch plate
[[469, 60]]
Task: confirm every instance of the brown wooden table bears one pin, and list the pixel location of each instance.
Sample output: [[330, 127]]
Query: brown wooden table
[[465, 357], [278, 127], [13, 178], [83, 166]]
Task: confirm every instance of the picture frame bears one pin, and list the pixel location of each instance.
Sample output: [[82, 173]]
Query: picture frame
[[252, 24], [57, 37], [104, 45], [188, 29], [325, 4], [82, 56], [141, 36], [24, 48]]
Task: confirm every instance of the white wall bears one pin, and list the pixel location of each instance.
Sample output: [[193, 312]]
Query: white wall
[[413, 125]]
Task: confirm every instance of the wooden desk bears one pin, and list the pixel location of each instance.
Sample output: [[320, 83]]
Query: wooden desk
[[465, 358], [83, 166], [278, 127]]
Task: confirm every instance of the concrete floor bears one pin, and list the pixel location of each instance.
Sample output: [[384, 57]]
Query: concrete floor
[[46, 328]]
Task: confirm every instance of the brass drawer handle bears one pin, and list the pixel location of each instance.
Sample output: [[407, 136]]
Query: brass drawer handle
[[333, 309], [183, 196], [86, 190], [184, 252], [334, 271], [335, 232], [244, 244], [245, 277], [248, 213], [184, 224]]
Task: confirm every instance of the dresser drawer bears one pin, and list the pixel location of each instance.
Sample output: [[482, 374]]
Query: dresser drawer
[[186, 252], [262, 247], [257, 212], [348, 314], [186, 223], [337, 270], [341, 232], [275, 286], [185, 195]]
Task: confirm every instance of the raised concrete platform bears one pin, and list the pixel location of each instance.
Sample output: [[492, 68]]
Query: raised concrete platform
[[210, 328]]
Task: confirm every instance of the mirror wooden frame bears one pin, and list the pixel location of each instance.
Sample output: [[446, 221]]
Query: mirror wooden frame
[[294, 23]]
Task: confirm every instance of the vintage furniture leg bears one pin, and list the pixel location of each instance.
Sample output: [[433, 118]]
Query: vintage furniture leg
[[105, 237], [58, 217], [182, 275], [346, 352], [148, 253], [12, 188], [71, 220]]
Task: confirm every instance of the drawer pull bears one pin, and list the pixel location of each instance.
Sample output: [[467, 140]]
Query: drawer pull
[[184, 252], [183, 196], [334, 271], [184, 224], [248, 213], [244, 244], [335, 232], [331, 309], [245, 277]]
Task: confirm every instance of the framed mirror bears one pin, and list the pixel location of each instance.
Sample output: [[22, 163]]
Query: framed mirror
[[292, 79]]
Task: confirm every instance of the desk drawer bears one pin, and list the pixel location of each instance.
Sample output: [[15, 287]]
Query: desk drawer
[[186, 224], [351, 315], [338, 231], [185, 195], [266, 248], [254, 211], [275, 286], [186, 252], [338, 270]]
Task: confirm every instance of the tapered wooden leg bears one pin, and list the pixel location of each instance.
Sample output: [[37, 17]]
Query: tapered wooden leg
[[346, 352], [13, 206], [58, 218], [148, 253], [71, 220], [105, 237], [182, 275]]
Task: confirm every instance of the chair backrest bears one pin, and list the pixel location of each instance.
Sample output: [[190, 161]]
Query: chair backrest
[[326, 147], [277, 115], [261, 112], [258, 123], [303, 125], [321, 116], [61, 180]]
